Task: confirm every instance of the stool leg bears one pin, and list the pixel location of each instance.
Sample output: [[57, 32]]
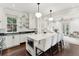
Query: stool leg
[[1, 51], [51, 53], [61, 45]]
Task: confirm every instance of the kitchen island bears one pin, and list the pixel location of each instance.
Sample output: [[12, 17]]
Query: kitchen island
[[41, 41]]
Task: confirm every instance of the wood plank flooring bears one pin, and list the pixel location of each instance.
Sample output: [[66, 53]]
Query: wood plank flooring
[[72, 51], [16, 51], [21, 51]]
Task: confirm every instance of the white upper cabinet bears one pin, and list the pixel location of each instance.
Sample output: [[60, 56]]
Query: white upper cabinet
[[32, 21], [23, 22], [2, 21]]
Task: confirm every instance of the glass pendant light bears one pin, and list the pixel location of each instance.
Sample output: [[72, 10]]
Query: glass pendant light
[[50, 18], [38, 14]]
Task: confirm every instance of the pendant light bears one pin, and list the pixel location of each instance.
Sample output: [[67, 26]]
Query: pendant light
[[38, 14], [50, 18]]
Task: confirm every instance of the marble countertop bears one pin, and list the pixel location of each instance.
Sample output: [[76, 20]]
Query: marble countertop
[[41, 36]]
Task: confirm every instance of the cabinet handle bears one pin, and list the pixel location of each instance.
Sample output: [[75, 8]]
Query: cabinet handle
[[13, 37]]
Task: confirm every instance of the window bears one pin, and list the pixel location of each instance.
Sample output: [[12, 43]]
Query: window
[[11, 24]]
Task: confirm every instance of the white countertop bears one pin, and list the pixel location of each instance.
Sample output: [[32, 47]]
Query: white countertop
[[41, 36], [21, 31]]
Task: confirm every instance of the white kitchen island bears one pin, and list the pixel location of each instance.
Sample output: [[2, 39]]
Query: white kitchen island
[[41, 41]]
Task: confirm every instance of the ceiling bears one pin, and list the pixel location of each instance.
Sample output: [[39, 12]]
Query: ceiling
[[44, 7]]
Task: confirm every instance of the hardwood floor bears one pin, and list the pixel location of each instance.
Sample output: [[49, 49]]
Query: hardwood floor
[[21, 51], [72, 51], [16, 51]]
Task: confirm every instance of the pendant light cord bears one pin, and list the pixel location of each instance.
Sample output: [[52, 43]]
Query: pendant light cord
[[38, 6], [50, 13]]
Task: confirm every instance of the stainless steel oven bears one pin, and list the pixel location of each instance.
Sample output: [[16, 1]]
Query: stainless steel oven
[[30, 42]]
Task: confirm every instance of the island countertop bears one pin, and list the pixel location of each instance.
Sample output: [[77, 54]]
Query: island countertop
[[41, 36]]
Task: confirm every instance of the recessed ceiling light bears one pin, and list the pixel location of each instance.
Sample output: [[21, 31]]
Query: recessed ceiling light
[[13, 5]]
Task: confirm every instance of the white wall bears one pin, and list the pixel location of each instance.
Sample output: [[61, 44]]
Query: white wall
[[74, 25], [70, 15]]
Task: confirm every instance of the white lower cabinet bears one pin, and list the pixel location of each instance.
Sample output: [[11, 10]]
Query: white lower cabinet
[[14, 40], [5, 42], [8, 42], [23, 38], [11, 41]]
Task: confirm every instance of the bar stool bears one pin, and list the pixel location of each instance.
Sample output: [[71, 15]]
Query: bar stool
[[61, 42], [54, 45], [57, 43]]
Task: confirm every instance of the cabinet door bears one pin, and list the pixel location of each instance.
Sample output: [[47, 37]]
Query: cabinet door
[[0, 23], [15, 39], [4, 42], [32, 21], [23, 22], [2, 19], [23, 38], [9, 41]]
